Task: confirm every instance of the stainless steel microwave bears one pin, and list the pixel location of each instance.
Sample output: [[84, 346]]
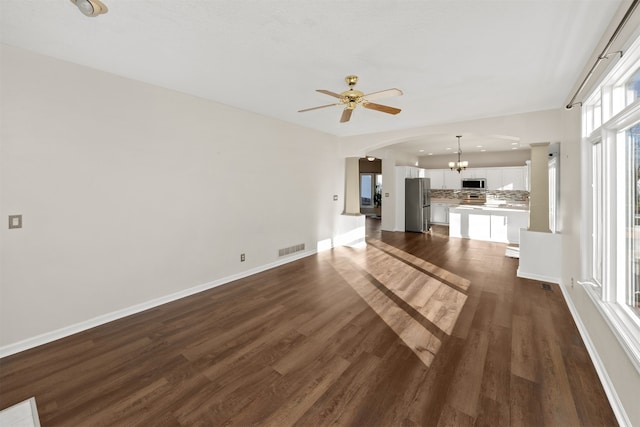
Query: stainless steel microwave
[[477, 183]]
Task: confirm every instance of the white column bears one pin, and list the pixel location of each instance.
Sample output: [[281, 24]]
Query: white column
[[539, 192]]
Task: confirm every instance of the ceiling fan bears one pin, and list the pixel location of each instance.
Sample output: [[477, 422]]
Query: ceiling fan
[[352, 98]]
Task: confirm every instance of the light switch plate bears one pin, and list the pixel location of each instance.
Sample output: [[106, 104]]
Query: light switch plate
[[15, 221]]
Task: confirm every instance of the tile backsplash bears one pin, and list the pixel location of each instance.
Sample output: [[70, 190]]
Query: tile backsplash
[[506, 195]]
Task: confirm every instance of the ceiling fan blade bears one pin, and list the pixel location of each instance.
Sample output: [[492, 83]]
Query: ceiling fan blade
[[380, 107], [316, 108], [328, 92], [383, 94], [346, 115]]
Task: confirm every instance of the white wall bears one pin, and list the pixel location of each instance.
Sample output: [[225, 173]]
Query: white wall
[[130, 192]]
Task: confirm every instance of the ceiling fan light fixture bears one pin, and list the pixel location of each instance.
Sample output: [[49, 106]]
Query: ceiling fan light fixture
[[351, 98], [90, 8], [371, 158]]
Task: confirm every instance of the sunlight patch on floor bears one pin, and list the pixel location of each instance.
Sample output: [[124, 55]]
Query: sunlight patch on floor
[[422, 342], [430, 268], [419, 307]]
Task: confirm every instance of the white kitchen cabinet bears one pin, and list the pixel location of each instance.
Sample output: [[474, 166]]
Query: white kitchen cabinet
[[506, 178], [455, 224], [436, 177], [513, 178], [479, 226], [500, 178], [515, 222], [443, 179], [494, 178], [440, 213], [499, 228], [492, 224], [451, 179], [473, 173]]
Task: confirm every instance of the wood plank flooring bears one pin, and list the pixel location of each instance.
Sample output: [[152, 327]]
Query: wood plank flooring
[[414, 329]]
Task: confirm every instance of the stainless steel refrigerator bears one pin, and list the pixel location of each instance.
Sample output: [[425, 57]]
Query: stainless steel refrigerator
[[417, 199]]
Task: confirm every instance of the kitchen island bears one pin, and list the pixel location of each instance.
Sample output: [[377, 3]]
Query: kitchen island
[[499, 223]]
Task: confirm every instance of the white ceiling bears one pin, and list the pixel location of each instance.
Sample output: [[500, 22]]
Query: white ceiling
[[454, 60]]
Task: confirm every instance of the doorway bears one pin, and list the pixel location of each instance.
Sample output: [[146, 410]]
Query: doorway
[[371, 187]]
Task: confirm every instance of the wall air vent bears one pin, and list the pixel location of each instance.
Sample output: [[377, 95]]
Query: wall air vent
[[291, 249]]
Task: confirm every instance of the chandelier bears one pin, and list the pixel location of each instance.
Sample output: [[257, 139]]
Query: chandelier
[[459, 165]]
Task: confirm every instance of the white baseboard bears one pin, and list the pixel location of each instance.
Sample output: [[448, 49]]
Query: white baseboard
[[609, 389], [534, 276], [57, 334]]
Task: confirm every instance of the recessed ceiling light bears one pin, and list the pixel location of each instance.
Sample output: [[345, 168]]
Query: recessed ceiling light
[[431, 154], [515, 143], [478, 146], [483, 150], [514, 148], [422, 151], [448, 148]]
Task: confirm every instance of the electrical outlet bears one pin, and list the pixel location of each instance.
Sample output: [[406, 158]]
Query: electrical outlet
[[335, 197], [241, 257], [15, 221]]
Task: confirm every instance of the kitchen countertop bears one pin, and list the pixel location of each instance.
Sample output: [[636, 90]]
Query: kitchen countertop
[[492, 208], [500, 206], [449, 201]]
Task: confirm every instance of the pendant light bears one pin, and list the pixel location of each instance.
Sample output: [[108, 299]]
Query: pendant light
[[459, 165]]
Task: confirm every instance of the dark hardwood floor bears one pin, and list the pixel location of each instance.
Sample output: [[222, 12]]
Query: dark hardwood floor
[[413, 329]]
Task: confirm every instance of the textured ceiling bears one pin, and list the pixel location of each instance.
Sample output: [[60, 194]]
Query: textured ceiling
[[454, 60]]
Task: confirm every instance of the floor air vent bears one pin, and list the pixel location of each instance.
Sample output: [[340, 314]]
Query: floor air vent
[[291, 249], [545, 286]]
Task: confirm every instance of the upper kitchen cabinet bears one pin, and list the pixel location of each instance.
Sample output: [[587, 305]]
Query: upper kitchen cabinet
[[513, 178], [499, 178], [473, 173], [451, 179], [437, 178], [443, 179], [410, 172], [494, 178], [506, 178]]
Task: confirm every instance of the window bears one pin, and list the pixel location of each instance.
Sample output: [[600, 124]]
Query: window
[[632, 88], [366, 190], [611, 151], [632, 294], [597, 212], [370, 190]]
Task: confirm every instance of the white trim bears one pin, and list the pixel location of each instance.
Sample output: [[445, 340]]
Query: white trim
[[539, 277], [624, 333], [66, 331], [607, 384]]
